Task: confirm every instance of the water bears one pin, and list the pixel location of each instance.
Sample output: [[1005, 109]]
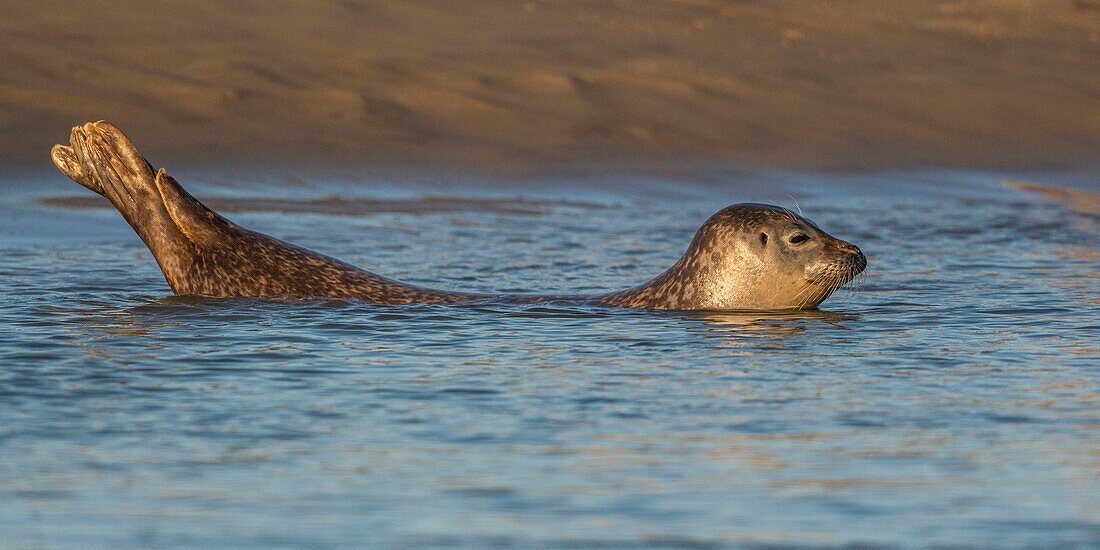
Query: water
[[953, 398]]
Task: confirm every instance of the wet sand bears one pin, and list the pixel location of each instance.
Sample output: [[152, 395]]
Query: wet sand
[[576, 85]]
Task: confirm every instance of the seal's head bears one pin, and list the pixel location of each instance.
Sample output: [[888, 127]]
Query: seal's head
[[763, 257]]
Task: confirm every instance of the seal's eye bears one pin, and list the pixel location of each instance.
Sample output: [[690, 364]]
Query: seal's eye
[[799, 238], [764, 239]]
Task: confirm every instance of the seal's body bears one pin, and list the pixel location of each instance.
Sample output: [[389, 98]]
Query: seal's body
[[745, 257]]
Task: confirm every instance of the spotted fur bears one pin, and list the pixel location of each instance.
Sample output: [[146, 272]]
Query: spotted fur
[[202, 253]]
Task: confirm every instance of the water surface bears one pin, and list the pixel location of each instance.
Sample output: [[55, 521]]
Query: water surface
[[952, 398]]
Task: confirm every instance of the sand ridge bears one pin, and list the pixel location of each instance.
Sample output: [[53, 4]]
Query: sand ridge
[[824, 85]]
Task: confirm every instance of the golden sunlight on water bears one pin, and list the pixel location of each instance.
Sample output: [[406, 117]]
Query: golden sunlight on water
[[948, 398]]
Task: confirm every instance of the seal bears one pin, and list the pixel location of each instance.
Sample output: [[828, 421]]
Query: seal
[[746, 257]]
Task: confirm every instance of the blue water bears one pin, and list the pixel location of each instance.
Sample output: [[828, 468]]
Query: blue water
[[952, 398]]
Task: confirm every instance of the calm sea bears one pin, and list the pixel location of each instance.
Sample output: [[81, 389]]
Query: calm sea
[[952, 398]]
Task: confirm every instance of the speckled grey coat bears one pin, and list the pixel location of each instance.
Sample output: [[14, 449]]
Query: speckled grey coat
[[201, 253]]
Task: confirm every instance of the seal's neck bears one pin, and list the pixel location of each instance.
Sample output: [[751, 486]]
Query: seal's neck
[[677, 288]]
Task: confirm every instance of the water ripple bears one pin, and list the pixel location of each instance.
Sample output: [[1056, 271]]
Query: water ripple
[[949, 399]]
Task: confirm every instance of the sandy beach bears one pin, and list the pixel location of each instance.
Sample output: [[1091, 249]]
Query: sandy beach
[[561, 85]]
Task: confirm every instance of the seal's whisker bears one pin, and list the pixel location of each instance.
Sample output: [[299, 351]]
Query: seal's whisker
[[815, 293], [847, 294], [795, 201], [796, 299], [802, 298], [836, 284], [860, 281]]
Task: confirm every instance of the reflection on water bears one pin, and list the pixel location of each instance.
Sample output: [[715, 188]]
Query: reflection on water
[[948, 399], [769, 325]]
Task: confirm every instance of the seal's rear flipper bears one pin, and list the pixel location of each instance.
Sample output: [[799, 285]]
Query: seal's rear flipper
[[101, 158], [65, 159], [198, 223], [201, 252]]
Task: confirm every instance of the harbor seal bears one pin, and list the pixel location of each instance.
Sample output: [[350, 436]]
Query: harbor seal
[[746, 257]]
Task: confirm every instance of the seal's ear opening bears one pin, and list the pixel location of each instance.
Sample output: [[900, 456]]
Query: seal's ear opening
[[65, 159]]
